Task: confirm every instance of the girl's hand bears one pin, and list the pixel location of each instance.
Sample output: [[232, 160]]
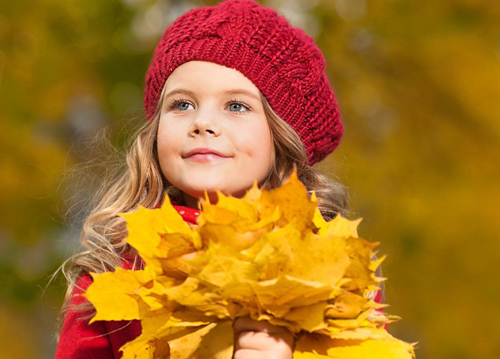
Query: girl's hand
[[261, 340]]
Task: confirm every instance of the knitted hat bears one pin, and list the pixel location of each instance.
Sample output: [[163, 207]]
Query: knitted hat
[[282, 62]]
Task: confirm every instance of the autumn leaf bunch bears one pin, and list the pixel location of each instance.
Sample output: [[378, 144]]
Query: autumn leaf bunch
[[270, 256]]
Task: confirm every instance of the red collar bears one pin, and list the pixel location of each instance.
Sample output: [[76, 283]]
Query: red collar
[[188, 214]]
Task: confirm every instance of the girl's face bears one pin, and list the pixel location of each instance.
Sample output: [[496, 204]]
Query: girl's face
[[213, 132]]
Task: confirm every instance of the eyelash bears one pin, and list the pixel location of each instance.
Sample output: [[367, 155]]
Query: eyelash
[[175, 102], [242, 103]]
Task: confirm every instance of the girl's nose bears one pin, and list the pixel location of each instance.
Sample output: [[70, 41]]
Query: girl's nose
[[203, 125]]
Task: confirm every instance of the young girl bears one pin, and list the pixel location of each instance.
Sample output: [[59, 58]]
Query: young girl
[[233, 94]]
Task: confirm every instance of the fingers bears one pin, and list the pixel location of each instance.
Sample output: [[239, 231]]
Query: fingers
[[262, 348], [259, 339], [246, 324], [252, 354]]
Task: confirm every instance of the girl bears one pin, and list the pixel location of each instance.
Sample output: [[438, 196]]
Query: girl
[[233, 94]]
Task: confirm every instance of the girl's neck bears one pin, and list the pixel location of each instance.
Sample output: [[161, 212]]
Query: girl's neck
[[194, 202], [189, 201]]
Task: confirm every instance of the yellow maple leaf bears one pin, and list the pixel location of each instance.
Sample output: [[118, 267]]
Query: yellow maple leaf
[[346, 305], [115, 294], [214, 341], [322, 347], [149, 344], [293, 203], [360, 271], [312, 257], [220, 265], [235, 222], [154, 233]]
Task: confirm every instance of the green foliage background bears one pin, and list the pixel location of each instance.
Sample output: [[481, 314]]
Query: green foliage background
[[418, 85]]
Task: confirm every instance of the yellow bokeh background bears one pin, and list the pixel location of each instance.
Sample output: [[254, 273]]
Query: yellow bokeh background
[[418, 85]]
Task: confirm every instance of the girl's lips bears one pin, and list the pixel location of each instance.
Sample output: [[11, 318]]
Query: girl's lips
[[205, 157], [204, 154]]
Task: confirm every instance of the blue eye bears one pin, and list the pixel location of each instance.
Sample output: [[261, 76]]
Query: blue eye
[[181, 105], [237, 107]]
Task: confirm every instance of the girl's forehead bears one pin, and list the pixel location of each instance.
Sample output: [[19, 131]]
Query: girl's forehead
[[209, 76]]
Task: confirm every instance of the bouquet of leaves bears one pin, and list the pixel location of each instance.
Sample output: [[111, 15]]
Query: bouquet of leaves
[[270, 256]]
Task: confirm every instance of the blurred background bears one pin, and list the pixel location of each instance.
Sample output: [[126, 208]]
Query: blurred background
[[418, 83]]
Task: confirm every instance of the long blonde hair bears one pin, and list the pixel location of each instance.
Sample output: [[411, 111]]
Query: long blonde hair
[[139, 181]]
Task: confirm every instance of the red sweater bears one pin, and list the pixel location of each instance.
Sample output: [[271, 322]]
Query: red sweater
[[103, 339]]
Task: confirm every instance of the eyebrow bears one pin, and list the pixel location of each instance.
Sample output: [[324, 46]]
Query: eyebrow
[[229, 92], [179, 92], [242, 92]]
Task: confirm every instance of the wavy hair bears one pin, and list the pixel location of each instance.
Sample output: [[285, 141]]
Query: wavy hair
[[139, 181]]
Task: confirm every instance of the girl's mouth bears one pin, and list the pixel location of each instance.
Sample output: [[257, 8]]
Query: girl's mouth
[[204, 155]]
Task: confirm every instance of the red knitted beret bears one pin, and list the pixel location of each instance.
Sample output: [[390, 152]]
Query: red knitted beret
[[282, 61]]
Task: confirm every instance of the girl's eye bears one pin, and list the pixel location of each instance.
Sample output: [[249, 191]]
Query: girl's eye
[[184, 106], [237, 107], [181, 105]]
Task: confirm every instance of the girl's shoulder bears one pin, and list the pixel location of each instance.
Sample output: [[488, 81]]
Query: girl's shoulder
[[99, 340]]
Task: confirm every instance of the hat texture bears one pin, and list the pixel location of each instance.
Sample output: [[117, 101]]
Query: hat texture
[[282, 61]]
